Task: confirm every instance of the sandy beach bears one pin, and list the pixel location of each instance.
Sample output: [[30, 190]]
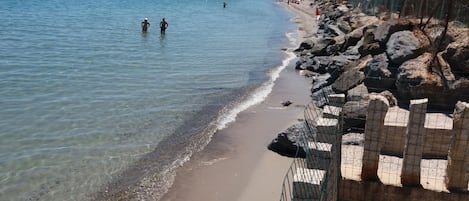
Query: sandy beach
[[236, 164]]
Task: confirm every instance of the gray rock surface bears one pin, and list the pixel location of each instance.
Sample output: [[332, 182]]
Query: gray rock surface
[[348, 80], [458, 55], [402, 46]]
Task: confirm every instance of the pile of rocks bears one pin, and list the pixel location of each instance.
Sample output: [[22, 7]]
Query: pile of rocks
[[357, 54]]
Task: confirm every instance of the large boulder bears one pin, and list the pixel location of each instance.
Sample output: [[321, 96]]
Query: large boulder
[[369, 44], [404, 45], [455, 32], [358, 25], [386, 29], [304, 62], [360, 21], [287, 144], [392, 100], [378, 75], [378, 66], [318, 64], [344, 26], [413, 73], [305, 45], [320, 46], [415, 81], [348, 80], [457, 55], [333, 30], [352, 38]]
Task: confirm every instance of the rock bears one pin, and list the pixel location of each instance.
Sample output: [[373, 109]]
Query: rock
[[348, 80], [371, 48], [353, 37], [337, 63], [304, 62], [376, 36], [360, 64], [339, 40], [412, 73], [458, 55], [353, 50], [390, 97], [286, 147], [343, 8], [318, 64], [320, 81], [378, 66], [455, 32], [378, 75], [357, 93], [354, 114], [334, 30], [386, 29], [414, 81], [333, 49], [404, 45], [361, 21], [369, 44], [344, 26], [320, 46], [319, 97], [286, 103], [333, 15], [305, 45]]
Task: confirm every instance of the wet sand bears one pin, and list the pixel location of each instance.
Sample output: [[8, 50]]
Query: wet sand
[[236, 164]]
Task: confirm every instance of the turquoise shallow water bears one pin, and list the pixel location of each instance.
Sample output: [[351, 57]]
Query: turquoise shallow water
[[85, 95]]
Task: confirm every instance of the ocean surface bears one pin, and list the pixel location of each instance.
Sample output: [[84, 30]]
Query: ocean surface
[[90, 105]]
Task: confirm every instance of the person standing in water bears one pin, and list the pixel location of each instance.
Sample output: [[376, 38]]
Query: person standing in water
[[145, 25], [224, 4], [163, 25]]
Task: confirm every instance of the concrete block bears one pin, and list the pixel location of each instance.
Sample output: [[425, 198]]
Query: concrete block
[[336, 99], [332, 112], [307, 183], [320, 147]]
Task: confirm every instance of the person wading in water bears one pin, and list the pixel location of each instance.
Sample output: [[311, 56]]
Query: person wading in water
[[145, 25], [163, 25]]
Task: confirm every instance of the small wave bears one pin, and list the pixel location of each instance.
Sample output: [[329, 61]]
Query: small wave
[[211, 162], [261, 93]]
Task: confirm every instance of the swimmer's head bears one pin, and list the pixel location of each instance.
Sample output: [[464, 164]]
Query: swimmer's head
[[146, 19]]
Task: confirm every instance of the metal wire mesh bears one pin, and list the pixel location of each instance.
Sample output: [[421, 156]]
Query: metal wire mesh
[[395, 137], [316, 176], [404, 144]]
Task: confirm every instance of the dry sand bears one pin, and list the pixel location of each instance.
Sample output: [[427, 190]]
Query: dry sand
[[236, 164]]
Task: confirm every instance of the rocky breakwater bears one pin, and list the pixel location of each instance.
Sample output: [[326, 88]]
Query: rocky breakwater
[[361, 55], [357, 54]]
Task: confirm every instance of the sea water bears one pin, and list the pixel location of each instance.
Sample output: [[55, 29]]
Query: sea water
[[89, 103]]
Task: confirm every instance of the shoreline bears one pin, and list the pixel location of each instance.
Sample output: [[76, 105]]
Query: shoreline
[[236, 165]]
